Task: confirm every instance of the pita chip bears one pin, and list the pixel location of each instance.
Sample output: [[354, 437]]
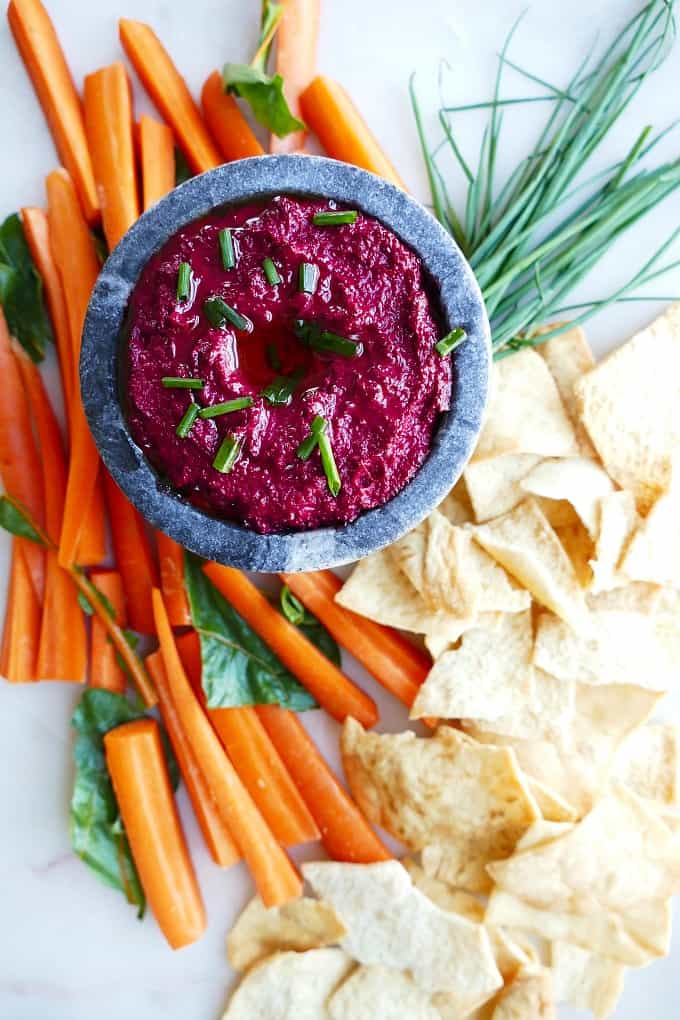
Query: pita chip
[[579, 480], [529, 995], [372, 992], [296, 926], [545, 712], [569, 356], [618, 520], [456, 507], [654, 551], [494, 483], [649, 763], [585, 980], [309, 979]]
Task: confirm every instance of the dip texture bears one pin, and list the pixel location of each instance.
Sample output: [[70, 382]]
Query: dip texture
[[381, 405]]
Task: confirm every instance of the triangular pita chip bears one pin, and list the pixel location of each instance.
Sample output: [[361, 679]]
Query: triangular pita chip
[[579, 480], [299, 925], [309, 979], [585, 980], [545, 712], [372, 992], [552, 806], [457, 507], [649, 763], [617, 522], [569, 356], [431, 558], [654, 550], [529, 995], [494, 483]]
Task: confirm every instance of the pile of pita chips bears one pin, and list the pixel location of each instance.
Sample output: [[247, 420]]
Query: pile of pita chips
[[558, 657]]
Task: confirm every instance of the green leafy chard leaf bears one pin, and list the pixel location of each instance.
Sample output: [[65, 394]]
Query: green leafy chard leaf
[[16, 520], [97, 832], [313, 629], [21, 291], [238, 668], [264, 94]]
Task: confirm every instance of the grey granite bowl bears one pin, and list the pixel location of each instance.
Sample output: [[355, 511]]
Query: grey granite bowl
[[226, 541]]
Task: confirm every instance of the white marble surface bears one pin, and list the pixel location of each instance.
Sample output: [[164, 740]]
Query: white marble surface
[[70, 949]]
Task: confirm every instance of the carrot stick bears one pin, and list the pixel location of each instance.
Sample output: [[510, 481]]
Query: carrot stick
[[92, 542], [45, 62], [22, 623], [217, 836], [254, 757], [386, 654], [332, 689], [105, 670], [274, 875], [344, 134], [133, 555], [108, 123], [171, 561], [169, 92], [135, 760], [228, 126], [157, 157], [36, 231], [345, 833], [19, 463], [62, 653], [76, 260], [296, 45]]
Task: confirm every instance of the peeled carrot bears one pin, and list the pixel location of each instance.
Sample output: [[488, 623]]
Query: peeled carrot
[[345, 833], [133, 555], [274, 875], [169, 92], [105, 669], [36, 231], [135, 760], [76, 260], [296, 45], [216, 833], [108, 123], [332, 689], [344, 134], [228, 126], [22, 622], [19, 463], [157, 156], [45, 62], [386, 654], [171, 561], [92, 542], [255, 759]]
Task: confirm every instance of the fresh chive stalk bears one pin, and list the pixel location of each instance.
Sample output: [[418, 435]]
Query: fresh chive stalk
[[227, 248], [218, 312], [184, 281], [228, 454], [334, 219], [309, 444], [330, 468], [173, 382], [227, 407], [319, 339], [448, 343], [280, 390], [308, 278], [270, 271], [187, 420], [292, 608]]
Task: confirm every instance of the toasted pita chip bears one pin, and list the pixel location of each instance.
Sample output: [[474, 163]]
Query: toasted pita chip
[[618, 520], [601, 932], [525, 413], [372, 992], [546, 712], [529, 995], [552, 806], [392, 924], [301, 924], [308, 979], [585, 980], [524, 543], [457, 507], [485, 677], [466, 802], [618, 858], [569, 356], [635, 597], [580, 548], [649, 763], [630, 406], [623, 648], [430, 557], [494, 483], [579, 480], [654, 550]]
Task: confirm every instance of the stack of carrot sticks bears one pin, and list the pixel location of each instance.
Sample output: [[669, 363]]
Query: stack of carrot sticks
[[256, 780]]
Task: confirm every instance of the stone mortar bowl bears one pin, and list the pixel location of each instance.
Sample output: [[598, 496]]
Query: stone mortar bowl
[[103, 341]]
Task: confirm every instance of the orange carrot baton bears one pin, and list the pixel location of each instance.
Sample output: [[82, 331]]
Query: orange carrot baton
[[157, 157], [22, 623], [171, 562], [105, 669], [296, 45], [228, 126], [134, 557]]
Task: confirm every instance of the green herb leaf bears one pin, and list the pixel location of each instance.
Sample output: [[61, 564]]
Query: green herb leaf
[[176, 382], [227, 253], [186, 422], [308, 278], [264, 95], [184, 281], [228, 454], [182, 170], [226, 407], [308, 445], [271, 272], [291, 607], [322, 340], [21, 291], [86, 605], [280, 390], [16, 519], [448, 343], [313, 630], [238, 668], [334, 218], [330, 468], [218, 312]]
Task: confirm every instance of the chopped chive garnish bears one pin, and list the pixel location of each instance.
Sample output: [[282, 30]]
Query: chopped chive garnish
[[238, 404], [273, 357], [270, 271], [308, 445], [308, 278], [449, 342], [172, 382], [328, 463], [323, 340], [281, 389], [187, 420], [334, 219], [228, 453], [183, 281], [218, 311], [227, 248]]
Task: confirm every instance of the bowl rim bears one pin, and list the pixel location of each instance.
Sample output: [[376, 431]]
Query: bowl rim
[[461, 304]]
